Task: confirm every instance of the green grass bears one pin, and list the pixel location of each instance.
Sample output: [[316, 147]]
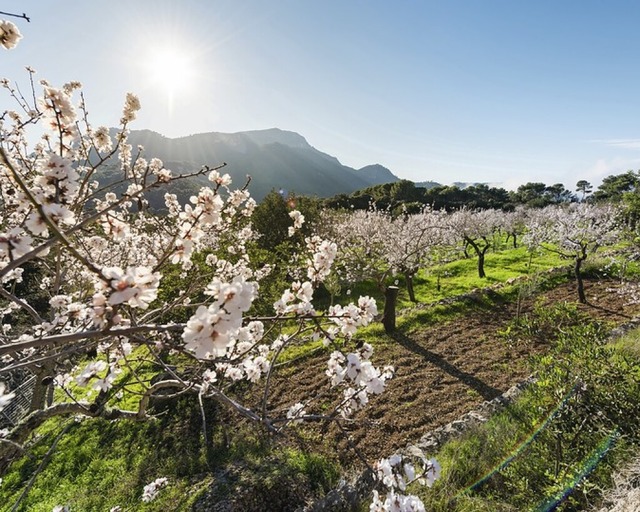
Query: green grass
[[99, 464], [558, 444], [461, 276]]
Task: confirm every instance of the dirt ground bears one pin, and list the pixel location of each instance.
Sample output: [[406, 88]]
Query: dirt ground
[[442, 372]]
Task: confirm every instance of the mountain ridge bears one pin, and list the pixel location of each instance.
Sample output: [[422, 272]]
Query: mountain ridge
[[274, 158]]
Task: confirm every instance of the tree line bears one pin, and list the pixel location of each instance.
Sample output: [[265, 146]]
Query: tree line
[[411, 198]]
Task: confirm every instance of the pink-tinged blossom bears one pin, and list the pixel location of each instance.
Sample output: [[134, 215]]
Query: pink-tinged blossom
[[102, 139], [131, 107], [138, 286], [90, 371], [323, 254], [15, 243], [209, 377], [59, 213], [236, 296], [163, 175], [115, 228], [9, 34], [350, 317], [58, 109], [303, 292], [298, 220], [36, 224], [106, 383], [58, 180], [222, 180], [358, 376], [252, 369], [201, 336]]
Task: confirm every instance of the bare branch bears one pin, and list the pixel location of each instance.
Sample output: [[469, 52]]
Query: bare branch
[[83, 335], [21, 16]]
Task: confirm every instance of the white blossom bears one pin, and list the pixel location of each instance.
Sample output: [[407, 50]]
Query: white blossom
[[9, 34], [151, 490]]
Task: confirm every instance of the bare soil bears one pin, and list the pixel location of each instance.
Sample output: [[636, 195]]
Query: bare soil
[[442, 372]]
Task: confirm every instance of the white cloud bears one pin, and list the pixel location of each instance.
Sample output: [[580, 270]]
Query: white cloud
[[607, 167], [620, 143]]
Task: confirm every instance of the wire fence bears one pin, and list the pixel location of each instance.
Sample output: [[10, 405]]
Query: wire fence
[[17, 408]]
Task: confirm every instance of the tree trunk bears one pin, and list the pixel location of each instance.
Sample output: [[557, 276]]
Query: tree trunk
[[40, 391], [581, 296], [408, 276], [389, 317], [481, 272], [480, 253]]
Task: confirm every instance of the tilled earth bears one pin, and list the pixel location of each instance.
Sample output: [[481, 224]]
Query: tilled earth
[[442, 371]]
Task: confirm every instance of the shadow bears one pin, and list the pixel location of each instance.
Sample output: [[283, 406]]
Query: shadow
[[610, 311], [487, 392]]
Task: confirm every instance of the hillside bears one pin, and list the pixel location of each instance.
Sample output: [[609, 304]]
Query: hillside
[[274, 158]]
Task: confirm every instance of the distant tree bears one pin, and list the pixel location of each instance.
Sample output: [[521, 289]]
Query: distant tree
[[410, 241], [484, 197], [532, 194], [375, 245], [557, 194], [271, 220], [449, 198], [615, 186], [585, 188], [403, 191]]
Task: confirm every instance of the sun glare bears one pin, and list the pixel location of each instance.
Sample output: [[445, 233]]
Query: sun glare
[[171, 71]]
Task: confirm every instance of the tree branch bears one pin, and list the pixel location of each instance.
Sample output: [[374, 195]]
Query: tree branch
[[22, 16], [83, 335]]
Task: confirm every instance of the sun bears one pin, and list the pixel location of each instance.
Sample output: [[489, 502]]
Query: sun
[[171, 71]]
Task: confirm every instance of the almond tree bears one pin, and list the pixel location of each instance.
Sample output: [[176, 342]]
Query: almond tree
[[101, 260], [375, 245], [476, 229], [411, 242], [514, 224], [361, 238], [574, 232]]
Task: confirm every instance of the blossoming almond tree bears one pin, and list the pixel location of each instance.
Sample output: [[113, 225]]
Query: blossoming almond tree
[[574, 232], [100, 257], [476, 229], [411, 242], [375, 245]]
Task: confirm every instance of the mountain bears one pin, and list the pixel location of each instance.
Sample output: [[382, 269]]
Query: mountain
[[274, 158], [377, 174]]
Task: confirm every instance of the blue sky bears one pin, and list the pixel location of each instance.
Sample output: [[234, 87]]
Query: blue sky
[[496, 91]]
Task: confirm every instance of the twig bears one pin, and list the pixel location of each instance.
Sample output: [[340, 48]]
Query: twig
[[22, 16], [204, 426]]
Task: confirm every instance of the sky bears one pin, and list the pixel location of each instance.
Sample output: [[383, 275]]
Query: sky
[[496, 91]]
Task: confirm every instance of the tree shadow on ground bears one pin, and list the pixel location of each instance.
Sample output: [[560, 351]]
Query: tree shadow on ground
[[486, 391], [609, 311]]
